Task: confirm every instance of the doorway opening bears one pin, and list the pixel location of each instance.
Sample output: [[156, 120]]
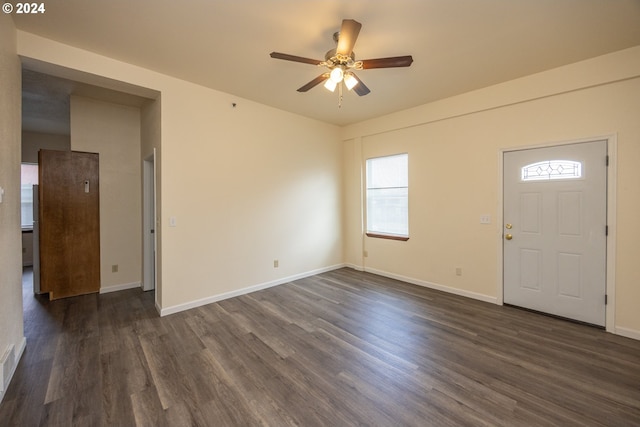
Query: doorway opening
[[44, 129], [149, 223]]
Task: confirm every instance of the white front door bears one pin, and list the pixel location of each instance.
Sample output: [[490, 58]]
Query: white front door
[[554, 235]]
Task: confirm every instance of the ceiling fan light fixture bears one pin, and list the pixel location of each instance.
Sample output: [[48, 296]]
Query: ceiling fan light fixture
[[330, 85], [336, 75], [350, 81], [340, 63]]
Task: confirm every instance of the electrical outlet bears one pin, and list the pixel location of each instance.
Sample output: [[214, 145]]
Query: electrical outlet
[[276, 263], [458, 271], [114, 268], [365, 254]]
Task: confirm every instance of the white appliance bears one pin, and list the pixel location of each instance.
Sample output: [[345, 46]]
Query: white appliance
[[36, 243]]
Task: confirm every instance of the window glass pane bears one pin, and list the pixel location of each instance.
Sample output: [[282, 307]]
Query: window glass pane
[[388, 195], [387, 211], [29, 178], [385, 172], [552, 169]]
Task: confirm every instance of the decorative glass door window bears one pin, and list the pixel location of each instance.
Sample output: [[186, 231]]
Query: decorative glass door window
[[552, 169]]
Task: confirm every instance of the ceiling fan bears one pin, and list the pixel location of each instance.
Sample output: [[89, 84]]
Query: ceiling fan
[[341, 62]]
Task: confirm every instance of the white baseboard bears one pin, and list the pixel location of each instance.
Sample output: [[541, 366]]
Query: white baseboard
[[121, 287], [215, 298], [436, 286], [355, 267], [627, 332], [6, 379]]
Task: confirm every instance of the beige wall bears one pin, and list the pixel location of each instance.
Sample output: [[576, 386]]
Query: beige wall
[[113, 131], [11, 323], [454, 174], [32, 142], [247, 185]]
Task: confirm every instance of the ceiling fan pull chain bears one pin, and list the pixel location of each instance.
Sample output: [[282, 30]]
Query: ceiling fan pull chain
[[340, 95]]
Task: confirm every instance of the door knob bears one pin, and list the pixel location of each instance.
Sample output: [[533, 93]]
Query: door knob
[[508, 236]]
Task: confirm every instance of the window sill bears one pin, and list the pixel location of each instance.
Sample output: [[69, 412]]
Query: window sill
[[388, 236]]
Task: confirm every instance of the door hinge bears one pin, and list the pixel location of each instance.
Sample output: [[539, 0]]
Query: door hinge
[[606, 230], [606, 299], [606, 160]]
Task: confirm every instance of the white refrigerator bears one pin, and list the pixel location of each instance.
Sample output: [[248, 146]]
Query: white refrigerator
[[36, 243]]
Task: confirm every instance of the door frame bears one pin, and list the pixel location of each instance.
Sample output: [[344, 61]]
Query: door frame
[[612, 149], [149, 215]]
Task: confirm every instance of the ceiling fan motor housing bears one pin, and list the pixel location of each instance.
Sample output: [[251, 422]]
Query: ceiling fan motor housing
[[333, 59]]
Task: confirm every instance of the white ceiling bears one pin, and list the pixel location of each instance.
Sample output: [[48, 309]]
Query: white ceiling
[[457, 45]]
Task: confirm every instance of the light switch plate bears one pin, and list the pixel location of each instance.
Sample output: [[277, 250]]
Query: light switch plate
[[485, 219]]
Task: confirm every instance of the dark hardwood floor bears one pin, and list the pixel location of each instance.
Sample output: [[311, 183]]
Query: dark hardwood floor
[[342, 348]]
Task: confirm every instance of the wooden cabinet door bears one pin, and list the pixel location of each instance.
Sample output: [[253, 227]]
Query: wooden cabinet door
[[69, 219]]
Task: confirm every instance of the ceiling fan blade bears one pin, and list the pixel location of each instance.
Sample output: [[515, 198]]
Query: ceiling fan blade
[[361, 89], [395, 61], [287, 57], [348, 36], [315, 82]]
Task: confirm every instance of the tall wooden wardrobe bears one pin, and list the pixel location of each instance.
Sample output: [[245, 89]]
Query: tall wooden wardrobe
[[69, 223]]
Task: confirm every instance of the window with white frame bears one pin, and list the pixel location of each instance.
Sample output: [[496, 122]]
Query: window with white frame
[[387, 181], [29, 178]]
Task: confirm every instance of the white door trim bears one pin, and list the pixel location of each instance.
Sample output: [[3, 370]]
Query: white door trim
[[612, 150], [149, 256]]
